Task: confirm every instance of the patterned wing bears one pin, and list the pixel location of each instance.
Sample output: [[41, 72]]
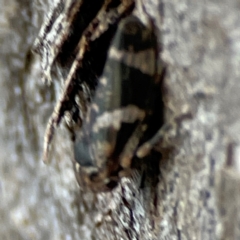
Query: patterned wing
[[123, 105]]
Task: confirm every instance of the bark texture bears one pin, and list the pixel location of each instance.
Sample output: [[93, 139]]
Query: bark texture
[[198, 193]]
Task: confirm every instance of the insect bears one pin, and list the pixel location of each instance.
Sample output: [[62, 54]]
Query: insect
[[111, 95], [124, 111]]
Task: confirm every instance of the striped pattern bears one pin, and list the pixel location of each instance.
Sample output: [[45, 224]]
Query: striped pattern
[[121, 109]]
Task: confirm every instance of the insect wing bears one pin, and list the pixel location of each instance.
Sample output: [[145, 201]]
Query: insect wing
[[122, 100]]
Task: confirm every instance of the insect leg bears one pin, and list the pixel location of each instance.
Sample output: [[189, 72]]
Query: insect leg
[[166, 136]]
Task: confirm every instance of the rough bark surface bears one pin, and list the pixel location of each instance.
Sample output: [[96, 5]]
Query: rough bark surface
[[198, 194]]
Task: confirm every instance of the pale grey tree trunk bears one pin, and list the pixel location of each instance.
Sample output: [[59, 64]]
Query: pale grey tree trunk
[[198, 193]]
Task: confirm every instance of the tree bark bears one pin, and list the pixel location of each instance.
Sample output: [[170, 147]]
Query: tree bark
[[197, 195]]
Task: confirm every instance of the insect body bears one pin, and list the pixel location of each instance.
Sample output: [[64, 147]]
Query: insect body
[[123, 113], [111, 95]]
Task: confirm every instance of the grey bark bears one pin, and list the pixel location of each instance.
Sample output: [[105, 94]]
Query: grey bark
[[198, 194]]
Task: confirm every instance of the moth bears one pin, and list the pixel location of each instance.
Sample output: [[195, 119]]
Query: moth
[[107, 61], [125, 111]]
